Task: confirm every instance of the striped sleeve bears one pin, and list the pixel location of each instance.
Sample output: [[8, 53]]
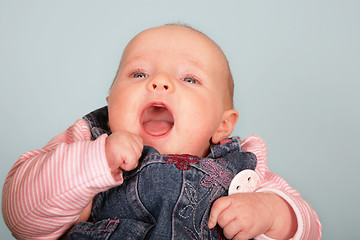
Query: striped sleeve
[[309, 226], [50, 187]]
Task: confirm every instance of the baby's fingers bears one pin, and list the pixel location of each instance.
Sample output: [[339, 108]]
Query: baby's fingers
[[138, 145], [130, 162], [218, 207]]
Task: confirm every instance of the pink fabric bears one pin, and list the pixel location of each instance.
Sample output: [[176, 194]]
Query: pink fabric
[[50, 187], [309, 226]]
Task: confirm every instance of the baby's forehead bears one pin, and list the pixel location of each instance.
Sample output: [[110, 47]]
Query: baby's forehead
[[174, 41], [179, 35]]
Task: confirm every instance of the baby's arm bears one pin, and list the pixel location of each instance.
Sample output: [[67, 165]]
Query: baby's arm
[[286, 201], [50, 187]]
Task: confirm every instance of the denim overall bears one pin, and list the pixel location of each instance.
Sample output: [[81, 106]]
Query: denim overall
[[166, 196]]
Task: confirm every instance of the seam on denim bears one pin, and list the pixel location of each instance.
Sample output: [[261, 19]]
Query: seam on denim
[[106, 229]]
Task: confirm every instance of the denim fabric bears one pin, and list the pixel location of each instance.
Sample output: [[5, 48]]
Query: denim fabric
[[166, 196], [98, 122]]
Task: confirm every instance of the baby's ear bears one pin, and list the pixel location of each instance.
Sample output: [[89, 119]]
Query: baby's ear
[[226, 126]]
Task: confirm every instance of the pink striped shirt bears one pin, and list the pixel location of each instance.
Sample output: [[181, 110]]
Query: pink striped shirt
[[47, 189]]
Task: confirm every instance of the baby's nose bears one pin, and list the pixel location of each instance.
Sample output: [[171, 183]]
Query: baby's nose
[[160, 86], [161, 82]]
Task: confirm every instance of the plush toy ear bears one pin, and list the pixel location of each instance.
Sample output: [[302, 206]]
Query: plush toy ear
[[226, 126]]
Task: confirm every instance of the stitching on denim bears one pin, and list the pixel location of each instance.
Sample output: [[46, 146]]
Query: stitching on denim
[[191, 209], [190, 233], [182, 161], [143, 212], [113, 223], [191, 194], [135, 232], [220, 233], [214, 193], [216, 173]]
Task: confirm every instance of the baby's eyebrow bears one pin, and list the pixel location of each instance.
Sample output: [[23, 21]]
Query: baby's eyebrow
[[135, 63]]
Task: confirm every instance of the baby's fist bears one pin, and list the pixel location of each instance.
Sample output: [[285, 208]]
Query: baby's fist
[[123, 150]]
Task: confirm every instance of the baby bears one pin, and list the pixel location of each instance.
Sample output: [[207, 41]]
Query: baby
[[173, 92]]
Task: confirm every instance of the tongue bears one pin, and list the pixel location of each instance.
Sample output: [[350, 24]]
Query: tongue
[[157, 128], [157, 121]]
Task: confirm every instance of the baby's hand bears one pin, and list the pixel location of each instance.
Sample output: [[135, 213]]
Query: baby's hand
[[242, 215], [123, 150], [247, 215]]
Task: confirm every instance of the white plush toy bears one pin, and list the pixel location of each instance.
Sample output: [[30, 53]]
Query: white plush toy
[[245, 181]]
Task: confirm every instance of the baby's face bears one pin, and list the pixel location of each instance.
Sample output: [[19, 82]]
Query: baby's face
[[170, 90]]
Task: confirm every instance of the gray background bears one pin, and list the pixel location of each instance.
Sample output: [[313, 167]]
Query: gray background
[[295, 63]]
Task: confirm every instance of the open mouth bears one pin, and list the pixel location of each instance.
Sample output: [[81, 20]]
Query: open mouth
[[157, 120]]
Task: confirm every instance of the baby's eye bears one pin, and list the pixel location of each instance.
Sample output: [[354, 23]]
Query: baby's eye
[[139, 75], [190, 80]]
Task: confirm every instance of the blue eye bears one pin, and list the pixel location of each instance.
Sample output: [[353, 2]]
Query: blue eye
[[190, 80], [139, 75]]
